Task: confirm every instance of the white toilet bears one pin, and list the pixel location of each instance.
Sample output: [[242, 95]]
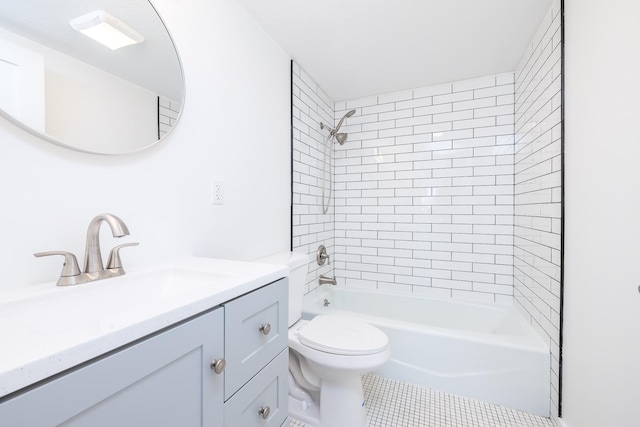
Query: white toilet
[[327, 356]]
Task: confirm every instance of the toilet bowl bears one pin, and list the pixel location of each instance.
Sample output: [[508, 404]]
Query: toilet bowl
[[327, 356]]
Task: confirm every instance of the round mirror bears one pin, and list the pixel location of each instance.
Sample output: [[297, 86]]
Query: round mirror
[[98, 76]]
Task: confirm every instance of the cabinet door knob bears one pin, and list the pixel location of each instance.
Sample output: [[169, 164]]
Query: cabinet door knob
[[218, 365], [264, 412], [265, 329]]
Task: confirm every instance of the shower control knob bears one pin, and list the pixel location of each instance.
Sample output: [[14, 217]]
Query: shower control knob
[[265, 329], [264, 412], [218, 365], [322, 255]]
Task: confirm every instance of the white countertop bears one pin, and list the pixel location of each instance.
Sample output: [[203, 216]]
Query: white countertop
[[56, 328]]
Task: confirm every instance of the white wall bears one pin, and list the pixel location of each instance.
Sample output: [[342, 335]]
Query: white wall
[[602, 245], [235, 128], [97, 111]]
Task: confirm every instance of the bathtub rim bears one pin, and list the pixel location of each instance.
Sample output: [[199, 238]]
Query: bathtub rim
[[530, 340]]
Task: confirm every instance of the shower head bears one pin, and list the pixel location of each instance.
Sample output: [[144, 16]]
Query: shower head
[[342, 136], [349, 114]]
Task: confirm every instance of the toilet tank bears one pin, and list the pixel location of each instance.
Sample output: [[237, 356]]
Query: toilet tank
[[297, 263]]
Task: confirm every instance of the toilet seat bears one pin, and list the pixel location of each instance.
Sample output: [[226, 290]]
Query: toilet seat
[[343, 336]]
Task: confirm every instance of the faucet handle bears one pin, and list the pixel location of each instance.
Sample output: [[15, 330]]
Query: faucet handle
[[114, 257], [322, 255], [70, 266]]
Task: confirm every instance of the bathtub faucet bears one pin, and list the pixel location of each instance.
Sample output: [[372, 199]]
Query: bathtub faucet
[[323, 280]]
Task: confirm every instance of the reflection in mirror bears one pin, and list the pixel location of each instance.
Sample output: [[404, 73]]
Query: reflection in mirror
[[76, 92]]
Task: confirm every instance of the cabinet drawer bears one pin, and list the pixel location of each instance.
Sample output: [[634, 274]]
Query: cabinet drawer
[[248, 347], [268, 389]]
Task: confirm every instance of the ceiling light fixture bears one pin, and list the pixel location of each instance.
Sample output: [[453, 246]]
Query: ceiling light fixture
[[106, 29]]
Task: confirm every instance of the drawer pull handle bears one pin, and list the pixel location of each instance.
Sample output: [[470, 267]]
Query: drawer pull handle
[[218, 365], [264, 412], [265, 329]]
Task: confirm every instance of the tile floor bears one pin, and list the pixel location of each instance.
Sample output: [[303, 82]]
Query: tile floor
[[395, 404]]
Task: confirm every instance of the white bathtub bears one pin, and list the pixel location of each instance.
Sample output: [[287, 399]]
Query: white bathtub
[[483, 351]]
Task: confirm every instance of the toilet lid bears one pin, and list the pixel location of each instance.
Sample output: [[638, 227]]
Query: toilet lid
[[342, 335]]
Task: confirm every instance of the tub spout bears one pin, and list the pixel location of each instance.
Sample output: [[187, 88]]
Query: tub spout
[[323, 280]]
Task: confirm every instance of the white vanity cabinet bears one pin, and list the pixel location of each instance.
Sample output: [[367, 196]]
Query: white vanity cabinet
[[167, 378]]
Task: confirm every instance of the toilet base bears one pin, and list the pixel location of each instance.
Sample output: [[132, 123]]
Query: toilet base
[[342, 405], [304, 410]]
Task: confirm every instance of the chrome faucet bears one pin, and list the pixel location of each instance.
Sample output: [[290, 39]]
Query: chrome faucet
[[93, 266], [92, 255], [324, 280]]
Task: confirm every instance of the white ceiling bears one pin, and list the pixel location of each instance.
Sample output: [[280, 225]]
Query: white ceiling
[[356, 48]]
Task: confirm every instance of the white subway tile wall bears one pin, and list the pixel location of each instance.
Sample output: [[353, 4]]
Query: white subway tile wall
[[310, 227], [168, 112], [451, 190], [537, 228], [424, 191]]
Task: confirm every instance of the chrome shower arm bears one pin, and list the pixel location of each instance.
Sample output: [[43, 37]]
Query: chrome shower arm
[[331, 131]]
